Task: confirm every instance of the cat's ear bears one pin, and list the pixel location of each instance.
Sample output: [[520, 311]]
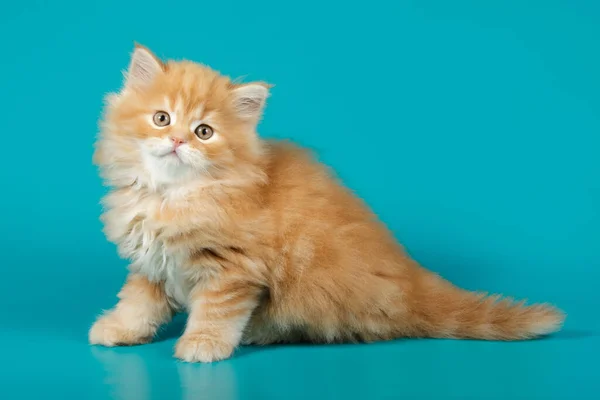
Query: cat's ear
[[249, 99], [143, 68]]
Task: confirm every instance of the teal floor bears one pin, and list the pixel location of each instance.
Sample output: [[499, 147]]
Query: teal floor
[[411, 370], [45, 355], [472, 127]]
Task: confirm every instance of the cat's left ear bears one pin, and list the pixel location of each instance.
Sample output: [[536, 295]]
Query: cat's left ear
[[143, 68], [249, 99]]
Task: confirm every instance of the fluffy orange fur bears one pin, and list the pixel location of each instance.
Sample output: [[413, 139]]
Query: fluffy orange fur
[[255, 239]]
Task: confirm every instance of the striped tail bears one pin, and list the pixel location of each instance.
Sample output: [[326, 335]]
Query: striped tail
[[446, 311]]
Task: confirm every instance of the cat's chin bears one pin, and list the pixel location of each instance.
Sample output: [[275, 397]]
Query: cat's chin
[[167, 169]]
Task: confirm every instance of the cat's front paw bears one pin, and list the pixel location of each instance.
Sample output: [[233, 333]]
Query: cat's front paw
[[202, 348], [109, 331]]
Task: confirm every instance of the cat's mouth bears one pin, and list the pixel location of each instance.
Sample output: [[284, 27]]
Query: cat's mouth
[[169, 154], [171, 157], [174, 157]]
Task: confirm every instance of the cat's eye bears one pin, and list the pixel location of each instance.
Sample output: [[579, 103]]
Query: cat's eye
[[204, 132], [161, 118]]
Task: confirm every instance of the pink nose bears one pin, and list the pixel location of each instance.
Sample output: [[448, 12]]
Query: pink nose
[[177, 141]]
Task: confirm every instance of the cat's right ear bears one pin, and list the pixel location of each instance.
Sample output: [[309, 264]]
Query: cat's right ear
[[143, 68]]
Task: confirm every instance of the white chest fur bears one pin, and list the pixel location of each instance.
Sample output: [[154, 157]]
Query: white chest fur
[[129, 225]]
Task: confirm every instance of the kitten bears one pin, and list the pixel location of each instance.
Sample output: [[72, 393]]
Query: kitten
[[255, 239]]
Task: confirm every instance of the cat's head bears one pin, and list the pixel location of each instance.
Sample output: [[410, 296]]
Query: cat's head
[[177, 122]]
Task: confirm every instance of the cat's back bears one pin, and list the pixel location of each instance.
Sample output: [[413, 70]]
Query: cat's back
[[303, 189]]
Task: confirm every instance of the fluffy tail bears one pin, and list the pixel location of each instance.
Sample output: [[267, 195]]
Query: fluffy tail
[[444, 310]]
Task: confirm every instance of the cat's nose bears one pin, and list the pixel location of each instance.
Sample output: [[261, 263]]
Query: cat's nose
[[177, 141]]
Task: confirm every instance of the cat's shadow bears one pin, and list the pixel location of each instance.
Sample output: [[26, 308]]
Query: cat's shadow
[[173, 329], [571, 334]]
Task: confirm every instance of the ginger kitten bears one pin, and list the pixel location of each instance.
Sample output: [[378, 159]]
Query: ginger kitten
[[255, 239]]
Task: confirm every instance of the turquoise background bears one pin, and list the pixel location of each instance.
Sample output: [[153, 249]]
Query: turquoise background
[[471, 127]]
